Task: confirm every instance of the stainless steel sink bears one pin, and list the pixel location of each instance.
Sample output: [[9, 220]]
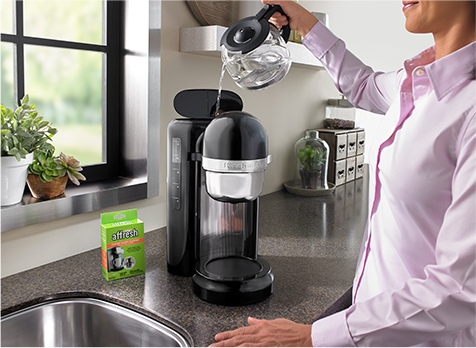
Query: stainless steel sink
[[85, 322]]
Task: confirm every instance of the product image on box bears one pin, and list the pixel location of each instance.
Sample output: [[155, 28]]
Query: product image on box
[[122, 244], [115, 259]]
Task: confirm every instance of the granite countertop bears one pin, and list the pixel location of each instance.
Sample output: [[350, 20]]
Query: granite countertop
[[311, 243]]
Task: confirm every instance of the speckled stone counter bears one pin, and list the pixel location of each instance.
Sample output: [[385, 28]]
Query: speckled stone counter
[[312, 244]]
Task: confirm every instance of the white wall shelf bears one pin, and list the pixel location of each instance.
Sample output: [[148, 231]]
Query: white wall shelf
[[206, 41]]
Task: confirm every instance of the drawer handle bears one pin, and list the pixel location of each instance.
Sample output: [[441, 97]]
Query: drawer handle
[[340, 174], [360, 167], [351, 170], [351, 146], [361, 143], [341, 148]]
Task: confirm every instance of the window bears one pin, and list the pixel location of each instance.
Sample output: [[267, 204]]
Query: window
[[66, 56], [131, 120]]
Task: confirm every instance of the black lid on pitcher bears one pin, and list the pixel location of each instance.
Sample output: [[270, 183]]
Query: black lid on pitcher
[[250, 32]]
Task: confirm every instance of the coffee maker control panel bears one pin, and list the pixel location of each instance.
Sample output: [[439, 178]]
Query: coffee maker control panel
[[176, 162]]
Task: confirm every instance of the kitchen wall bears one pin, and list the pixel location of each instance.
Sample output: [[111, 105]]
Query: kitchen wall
[[373, 30]]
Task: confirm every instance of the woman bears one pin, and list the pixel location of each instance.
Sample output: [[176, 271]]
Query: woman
[[415, 281]]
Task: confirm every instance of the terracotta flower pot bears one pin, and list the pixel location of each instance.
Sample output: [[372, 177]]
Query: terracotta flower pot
[[46, 190]]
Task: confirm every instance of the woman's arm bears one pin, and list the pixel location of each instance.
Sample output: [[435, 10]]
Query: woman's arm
[[364, 88]]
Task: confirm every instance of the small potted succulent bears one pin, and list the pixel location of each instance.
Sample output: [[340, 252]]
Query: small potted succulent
[[48, 174], [23, 132]]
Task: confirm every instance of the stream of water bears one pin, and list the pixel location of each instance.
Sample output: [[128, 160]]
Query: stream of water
[[217, 111]]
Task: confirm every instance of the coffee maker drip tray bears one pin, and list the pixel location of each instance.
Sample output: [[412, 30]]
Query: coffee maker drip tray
[[233, 280], [232, 268]]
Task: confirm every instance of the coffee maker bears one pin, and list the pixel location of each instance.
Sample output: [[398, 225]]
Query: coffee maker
[[215, 172], [115, 259]]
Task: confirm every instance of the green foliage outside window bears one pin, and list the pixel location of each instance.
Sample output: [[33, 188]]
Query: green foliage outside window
[[66, 84]]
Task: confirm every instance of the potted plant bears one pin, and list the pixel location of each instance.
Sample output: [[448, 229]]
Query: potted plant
[[23, 132], [48, 174], [313, 164]]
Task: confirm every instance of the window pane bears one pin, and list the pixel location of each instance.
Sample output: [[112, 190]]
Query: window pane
[[6, 18], [66, 86], [80, 21], [7, 75]]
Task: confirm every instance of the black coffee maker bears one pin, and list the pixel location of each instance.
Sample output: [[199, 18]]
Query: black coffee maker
[[214, 178]]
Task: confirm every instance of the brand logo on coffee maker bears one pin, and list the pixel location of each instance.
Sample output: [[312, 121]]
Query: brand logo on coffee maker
[[245, 165], [125, 234], [219, 165]]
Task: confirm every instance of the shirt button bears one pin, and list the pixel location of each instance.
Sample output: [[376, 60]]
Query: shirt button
[[420, 72]]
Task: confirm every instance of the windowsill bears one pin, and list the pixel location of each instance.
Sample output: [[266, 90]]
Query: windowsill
[[77, 200]]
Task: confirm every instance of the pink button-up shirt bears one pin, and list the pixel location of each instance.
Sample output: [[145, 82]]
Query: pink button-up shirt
[[415, 281]]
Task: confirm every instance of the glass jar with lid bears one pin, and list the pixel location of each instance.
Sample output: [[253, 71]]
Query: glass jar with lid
[[340, 114]]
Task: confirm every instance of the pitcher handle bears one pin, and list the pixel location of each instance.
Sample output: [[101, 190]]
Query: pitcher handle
[[267, 11]]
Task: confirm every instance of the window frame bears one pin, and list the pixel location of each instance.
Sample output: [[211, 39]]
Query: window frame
[[112, 16], [138, 126]]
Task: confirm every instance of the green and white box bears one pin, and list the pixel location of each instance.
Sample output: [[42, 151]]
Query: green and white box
[[122, 244]]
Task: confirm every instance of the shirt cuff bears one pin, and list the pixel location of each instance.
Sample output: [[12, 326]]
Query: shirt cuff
[[332, 331], [319, 40]]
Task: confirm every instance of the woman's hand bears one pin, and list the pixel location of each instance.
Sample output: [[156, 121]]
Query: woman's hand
[[266, 333], [298, 17]]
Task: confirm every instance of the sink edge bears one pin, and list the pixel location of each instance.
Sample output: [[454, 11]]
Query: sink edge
[[103, 297]]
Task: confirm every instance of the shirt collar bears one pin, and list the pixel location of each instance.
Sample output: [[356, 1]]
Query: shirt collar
[[447, 73]]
